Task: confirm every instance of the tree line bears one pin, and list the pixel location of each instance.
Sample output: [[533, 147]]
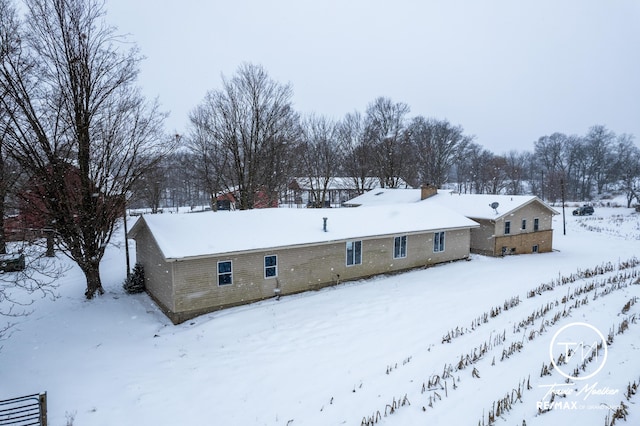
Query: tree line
[[247, 139], [79, 142]]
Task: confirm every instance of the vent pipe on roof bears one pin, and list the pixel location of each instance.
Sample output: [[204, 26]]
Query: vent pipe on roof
[[324, 224]]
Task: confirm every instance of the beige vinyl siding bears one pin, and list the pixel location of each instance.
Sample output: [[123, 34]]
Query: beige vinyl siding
[[523, 243], [158, 273], [482, 238], [301, 269], [490, 237], [529, 212]]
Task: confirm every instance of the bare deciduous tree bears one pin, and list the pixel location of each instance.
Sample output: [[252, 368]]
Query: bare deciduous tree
[[6, 183], [496, 170], [320, 157], [150, 188], [435, 144], [246, 131], [357, 151], [77, 122], [627, 167], [212, 165], [599, 143], [516, 171], [551, 154], [385, 129]]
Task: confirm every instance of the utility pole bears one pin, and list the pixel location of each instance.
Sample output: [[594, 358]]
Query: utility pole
[[126, 237], [564, 222]]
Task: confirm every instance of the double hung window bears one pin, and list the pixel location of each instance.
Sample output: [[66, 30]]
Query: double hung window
[[438, 242], [271, 266], [225, 273], [354, 253], [400, 247]]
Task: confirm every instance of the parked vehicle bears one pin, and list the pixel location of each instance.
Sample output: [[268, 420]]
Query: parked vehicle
[[11, 262], [584, 210]]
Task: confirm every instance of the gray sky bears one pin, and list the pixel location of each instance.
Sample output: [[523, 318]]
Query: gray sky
[[507, 71]]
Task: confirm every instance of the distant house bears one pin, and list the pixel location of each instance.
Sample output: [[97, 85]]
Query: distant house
[[34, 220], [227, 200], [509, 224], [307, 191], [197, 263]]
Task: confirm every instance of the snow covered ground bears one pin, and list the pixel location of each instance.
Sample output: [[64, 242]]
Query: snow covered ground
[[366, 352]]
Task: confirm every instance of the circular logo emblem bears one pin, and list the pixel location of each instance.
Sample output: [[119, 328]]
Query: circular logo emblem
[[576, 345]]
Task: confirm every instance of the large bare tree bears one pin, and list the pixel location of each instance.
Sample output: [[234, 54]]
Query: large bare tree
[[357, 151], [627, 167], [320, 156], [599, 142], [77, 122], [247, 131], [436, 145], [5, 184], [551, 153], [385, 128], [516, 171]]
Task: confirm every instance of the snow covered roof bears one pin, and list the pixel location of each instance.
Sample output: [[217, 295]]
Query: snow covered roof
[[205, 234], [385, 196], [340, 182], [477, 206]]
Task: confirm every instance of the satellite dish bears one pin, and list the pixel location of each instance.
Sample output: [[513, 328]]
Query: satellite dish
[[494, 206]]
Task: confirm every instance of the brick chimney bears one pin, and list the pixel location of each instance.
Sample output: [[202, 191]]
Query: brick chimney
[[427, 191]]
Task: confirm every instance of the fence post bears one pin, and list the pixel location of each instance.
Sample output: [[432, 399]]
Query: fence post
[[43, 409]]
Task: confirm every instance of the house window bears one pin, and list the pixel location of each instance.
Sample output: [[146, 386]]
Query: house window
[[271, 266], [225, 274], [536, 224], [354, 253], [438, 241], [507, 228], [400, 247], [524, 224], [534, 249]]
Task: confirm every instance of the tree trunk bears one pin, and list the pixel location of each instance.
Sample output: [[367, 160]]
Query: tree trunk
[[3, 194], [94, 284], [50, 243], [3, 243]]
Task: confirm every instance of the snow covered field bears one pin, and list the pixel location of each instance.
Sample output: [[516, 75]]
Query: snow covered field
[[449, 345]]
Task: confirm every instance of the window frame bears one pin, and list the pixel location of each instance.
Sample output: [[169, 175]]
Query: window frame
[[439, 240], [224, 273], [507, 227], [355, 257], [400, 247], [524, 225], [274, 267], [536, 224]]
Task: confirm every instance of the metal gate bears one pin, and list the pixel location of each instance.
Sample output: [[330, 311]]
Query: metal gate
[[29, 410]]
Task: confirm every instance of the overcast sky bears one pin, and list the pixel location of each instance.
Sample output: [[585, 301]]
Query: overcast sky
[[507, 71]]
